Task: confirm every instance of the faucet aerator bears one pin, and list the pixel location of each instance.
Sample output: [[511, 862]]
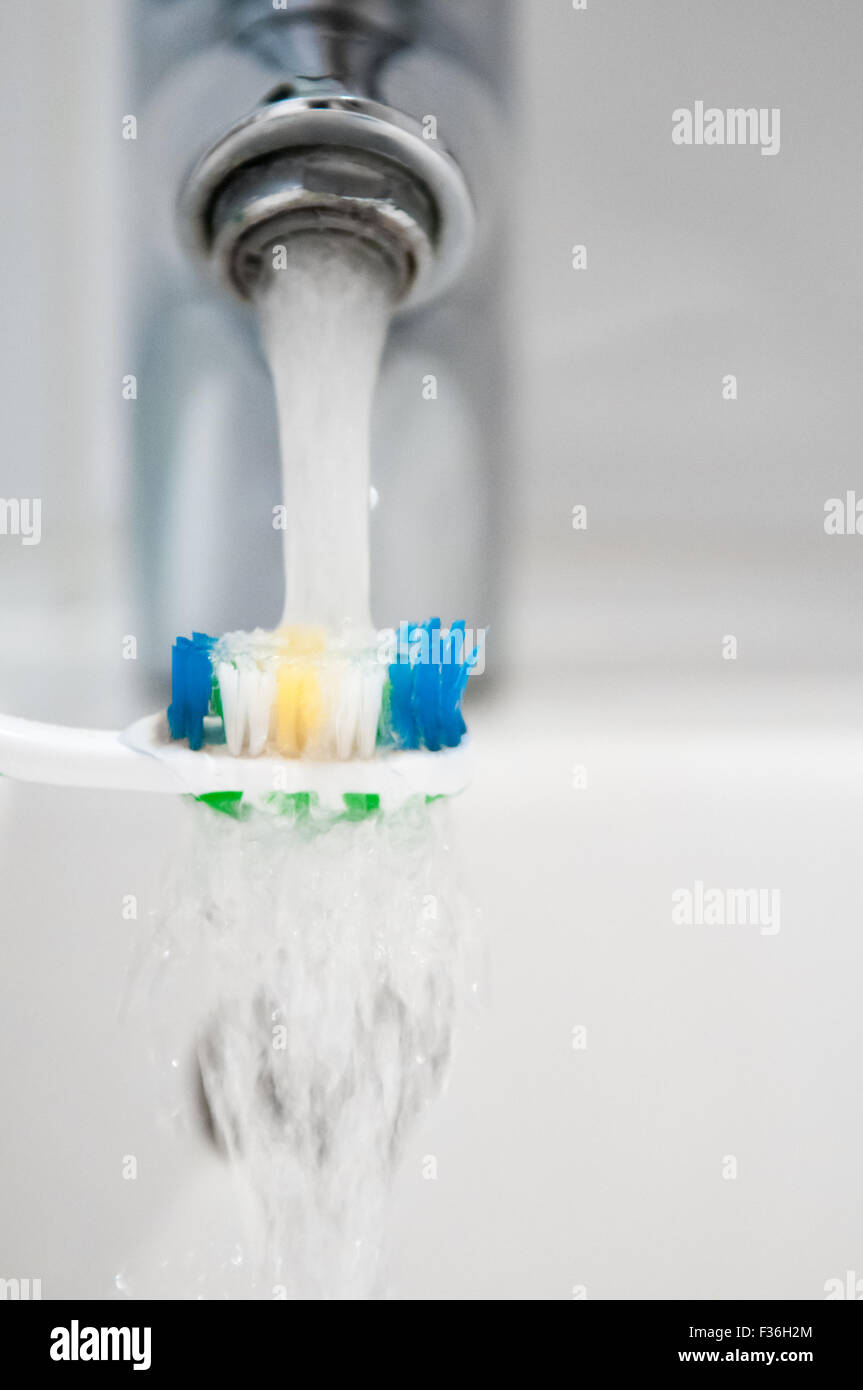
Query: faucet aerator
[[344, 165]]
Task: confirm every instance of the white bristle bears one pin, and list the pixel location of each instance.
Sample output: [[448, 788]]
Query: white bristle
[[247, 699], [346, 714], [322, 743], [370, 710], [233, 714], [259, 706]]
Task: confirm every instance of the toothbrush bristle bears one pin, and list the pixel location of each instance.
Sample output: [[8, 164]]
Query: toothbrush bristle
[[293, 694], [192, 684]]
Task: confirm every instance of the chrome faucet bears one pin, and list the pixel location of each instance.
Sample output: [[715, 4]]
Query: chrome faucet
[[375, 119]]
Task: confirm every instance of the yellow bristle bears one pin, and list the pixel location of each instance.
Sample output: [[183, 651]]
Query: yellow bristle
[[299, 705]]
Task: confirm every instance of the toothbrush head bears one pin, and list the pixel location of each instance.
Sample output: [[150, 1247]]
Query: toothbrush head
[[299, 693]]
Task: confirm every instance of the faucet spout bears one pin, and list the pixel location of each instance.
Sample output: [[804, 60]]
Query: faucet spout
[[320, 150]]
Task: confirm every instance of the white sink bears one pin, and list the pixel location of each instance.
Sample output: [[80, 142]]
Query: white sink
[[562, 1170]]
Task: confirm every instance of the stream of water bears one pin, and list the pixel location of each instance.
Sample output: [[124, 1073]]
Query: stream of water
[[323, 318], [324, 955]]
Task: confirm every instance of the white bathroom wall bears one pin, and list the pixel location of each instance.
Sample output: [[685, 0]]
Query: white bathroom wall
[[61, 284], [704, 515]]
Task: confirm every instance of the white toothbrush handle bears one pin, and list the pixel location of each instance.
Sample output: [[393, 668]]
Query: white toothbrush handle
[[143, 759], [64, 757]]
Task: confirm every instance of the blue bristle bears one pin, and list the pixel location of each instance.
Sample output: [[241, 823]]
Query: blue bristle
[[177, 707], [453, 680], [427, 689], [427, 684], [404, 729], [452, 725], [191, 684]]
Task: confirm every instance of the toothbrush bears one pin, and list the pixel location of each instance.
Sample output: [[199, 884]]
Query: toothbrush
[[230, 722]]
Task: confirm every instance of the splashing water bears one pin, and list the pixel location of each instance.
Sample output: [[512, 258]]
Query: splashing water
[[329, 959]]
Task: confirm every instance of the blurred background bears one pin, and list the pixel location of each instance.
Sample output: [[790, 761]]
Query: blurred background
[[618, 1061]]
